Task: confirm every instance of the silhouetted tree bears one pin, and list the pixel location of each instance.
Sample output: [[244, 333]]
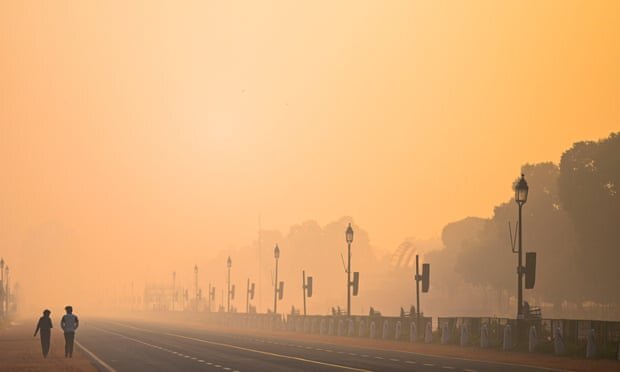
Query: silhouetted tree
[[589, 183]]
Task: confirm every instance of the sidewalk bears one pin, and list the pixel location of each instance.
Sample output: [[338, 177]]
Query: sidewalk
[[19, 351]]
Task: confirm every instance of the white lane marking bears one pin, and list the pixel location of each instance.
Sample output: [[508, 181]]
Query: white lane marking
[[410, 362], [429, 364], [144, 343], [268, 353], [364, 355], [394, 360], [92, 355], [378, 357]]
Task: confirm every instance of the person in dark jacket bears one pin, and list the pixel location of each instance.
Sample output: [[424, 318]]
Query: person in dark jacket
[[44, 328]]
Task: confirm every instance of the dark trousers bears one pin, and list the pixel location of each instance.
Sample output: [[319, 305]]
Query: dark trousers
[[45, 343], [69, 337]]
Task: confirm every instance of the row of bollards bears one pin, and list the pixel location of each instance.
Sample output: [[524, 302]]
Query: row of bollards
[[345, 327]]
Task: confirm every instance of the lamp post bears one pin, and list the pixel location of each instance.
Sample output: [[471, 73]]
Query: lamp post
[[276, 255], [349, 237], [174, 280], [7, 294], [2, 294], [521, 190], [229, 265], [196, 286]]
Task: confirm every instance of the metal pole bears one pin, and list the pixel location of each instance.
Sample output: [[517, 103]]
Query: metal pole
[[247, 298], [196, 286], [520, 272], [174, 280], [303, 279], [209, 303], [275, 292], [228, 297], [349, 281], [417, 286]]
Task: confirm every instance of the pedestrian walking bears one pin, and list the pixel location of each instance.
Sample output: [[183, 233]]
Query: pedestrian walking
[[69, 324], [44, 328]]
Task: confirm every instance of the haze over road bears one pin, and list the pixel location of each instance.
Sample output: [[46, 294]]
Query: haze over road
[[127, 345]]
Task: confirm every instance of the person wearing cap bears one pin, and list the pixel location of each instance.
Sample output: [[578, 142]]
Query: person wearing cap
[[44, 328], [69, 324]]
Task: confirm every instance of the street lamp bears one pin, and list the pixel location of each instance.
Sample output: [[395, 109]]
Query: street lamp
[[229, 265], [521, 190], [276, 255], [349, 238], [196, 286], [174, 280], [7, 295], [2, 286]]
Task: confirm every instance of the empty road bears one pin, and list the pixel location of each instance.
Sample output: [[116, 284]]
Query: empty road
[[127, 345]]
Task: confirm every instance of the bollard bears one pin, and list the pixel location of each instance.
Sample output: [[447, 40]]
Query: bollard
[[413, 332], [351, 328], [591, 346], [373, 330], [398, 330], [444, 334], [484, 336], [558, 342], [362, 329], [428, 333], [340, 327], [464, 334], [386, 330], [507, 338], [533, 340]]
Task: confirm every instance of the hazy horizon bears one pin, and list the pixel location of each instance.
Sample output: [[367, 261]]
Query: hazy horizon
[[138, 139]]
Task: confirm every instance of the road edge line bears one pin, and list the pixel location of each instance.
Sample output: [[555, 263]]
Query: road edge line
[[96, 358]]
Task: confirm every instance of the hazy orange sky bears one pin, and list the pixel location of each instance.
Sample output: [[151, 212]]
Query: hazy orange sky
[[172, 125]]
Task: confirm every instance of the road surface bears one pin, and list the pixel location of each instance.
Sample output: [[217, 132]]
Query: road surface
[[127, 345]]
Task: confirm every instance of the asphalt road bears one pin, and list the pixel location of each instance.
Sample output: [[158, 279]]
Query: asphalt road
[[145, 346]]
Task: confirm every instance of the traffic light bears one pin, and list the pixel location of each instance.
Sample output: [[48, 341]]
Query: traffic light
[[426, 277], [530, 270], [309, 286], [232, 292], [281, 291], [252, 291], [356, 283]]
